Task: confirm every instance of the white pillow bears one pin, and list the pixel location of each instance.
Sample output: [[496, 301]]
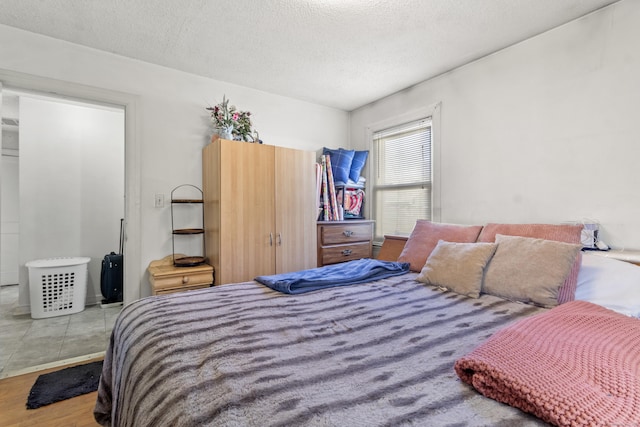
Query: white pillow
[[610, 283]]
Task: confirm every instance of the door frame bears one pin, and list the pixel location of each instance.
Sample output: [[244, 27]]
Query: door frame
[[62, 89]]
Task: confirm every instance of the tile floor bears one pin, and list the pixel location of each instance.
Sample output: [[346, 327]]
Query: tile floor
[[26, 343]]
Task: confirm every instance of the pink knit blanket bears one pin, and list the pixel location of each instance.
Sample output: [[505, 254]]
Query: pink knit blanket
[[575, 365]]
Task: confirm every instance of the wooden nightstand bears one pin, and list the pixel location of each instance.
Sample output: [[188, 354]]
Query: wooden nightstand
[[392, 247], [340, 241], [165, 278]]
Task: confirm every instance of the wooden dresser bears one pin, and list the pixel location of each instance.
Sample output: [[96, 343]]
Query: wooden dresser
[[340, 241], [165, 278]]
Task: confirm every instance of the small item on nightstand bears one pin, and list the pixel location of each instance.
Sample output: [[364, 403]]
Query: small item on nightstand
[[626, 255], [602, 245]]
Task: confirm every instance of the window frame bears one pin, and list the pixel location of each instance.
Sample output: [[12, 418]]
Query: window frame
[[432, 112]]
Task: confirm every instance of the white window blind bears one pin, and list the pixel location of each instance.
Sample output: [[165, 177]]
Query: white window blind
[[402, 167]]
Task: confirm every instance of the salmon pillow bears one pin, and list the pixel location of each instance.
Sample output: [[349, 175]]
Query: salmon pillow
[[425, 237]]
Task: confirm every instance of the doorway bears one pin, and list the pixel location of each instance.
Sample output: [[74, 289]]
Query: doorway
[[70, 183], [75, 96]]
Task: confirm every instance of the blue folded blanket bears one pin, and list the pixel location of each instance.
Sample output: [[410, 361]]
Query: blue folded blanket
[[346, 273]]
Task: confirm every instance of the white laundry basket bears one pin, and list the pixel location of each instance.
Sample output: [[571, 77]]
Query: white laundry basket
[[57, 286]]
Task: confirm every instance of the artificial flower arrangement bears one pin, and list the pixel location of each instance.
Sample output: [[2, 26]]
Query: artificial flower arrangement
[[232, 123]]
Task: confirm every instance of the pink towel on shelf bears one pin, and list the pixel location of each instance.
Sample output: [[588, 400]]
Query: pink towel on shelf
[[353, 201]]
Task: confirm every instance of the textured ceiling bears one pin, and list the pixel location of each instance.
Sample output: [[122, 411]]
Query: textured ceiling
[[339, 53]]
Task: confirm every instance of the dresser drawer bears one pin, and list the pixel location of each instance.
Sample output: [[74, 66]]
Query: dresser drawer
[[345, 233], [342, 241], [341, 253]]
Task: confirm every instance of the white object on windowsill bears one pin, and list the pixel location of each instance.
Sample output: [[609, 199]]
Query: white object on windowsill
[[627, 255]]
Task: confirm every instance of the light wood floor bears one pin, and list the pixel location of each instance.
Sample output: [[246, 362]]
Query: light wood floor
[[76, 412]]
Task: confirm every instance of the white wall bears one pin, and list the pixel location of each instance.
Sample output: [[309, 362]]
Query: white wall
[[543, 131], [172, 123], [71, 184], [10, 219], [9, 201]]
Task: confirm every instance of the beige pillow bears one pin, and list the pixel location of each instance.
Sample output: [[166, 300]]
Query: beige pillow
[[458, 267], [529, 270], [568, 233]]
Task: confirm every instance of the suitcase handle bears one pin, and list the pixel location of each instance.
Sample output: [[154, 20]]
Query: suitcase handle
[[121, 236]]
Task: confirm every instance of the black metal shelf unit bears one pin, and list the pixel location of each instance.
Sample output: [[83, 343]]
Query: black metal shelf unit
[[189, 260]]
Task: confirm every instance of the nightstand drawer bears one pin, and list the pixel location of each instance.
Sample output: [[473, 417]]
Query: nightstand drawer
[[345, 233], [180, 289], [185, 280], [341, 253]]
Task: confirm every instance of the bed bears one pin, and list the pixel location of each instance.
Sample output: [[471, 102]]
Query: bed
[[380, 353]]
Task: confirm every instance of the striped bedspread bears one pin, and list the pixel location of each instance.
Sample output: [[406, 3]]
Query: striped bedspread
[[373, 354]]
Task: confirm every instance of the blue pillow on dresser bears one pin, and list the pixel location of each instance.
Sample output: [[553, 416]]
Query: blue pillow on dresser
[[340, 163], [359, 159]]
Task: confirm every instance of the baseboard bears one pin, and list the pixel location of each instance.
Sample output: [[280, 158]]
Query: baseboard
[[110, 304], [73, 360], [21, 310]]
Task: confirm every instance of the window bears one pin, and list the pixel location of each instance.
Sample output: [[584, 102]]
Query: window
[[402, 167]]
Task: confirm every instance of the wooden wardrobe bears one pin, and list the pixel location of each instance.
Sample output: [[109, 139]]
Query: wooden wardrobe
[[259, 209]]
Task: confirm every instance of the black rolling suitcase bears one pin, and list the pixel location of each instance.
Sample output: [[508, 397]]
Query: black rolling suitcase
[[111, 274]]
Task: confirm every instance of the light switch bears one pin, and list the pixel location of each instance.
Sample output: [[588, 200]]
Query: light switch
[[159, 201]]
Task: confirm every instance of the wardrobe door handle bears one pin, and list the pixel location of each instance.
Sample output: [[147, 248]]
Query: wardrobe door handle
[[279, 239], [270, 239]]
